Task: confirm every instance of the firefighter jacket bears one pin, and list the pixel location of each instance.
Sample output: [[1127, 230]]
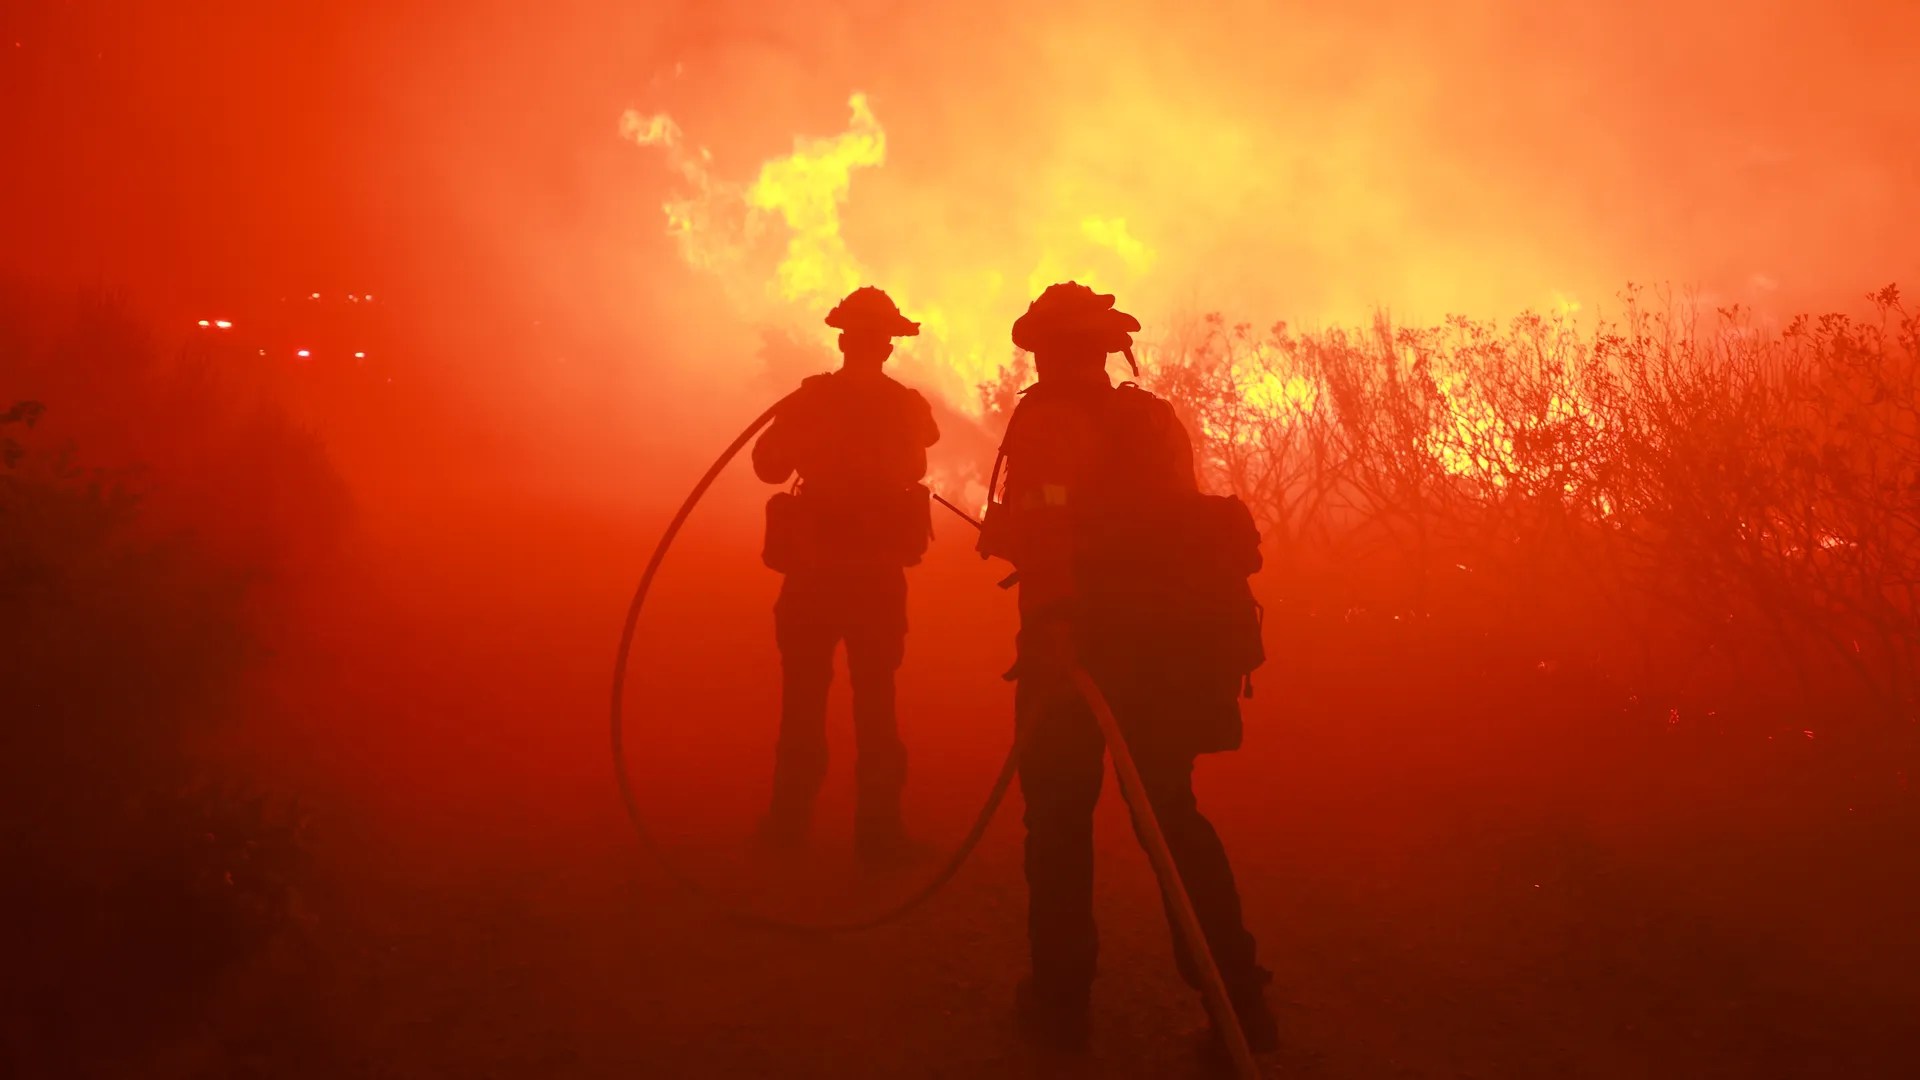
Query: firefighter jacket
[[858, 443], [1101, 514]]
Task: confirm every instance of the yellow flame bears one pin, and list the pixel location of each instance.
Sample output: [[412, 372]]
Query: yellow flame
[[807, 190], [965, 307], [778, 245], [720, 223], [1282, 392]]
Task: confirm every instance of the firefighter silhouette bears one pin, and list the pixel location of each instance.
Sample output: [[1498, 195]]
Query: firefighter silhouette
[[1127, 571], [856, 518]]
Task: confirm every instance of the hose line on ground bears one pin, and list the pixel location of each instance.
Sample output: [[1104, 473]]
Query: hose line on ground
[[1219, 1004], [1212, 986], [625, 781]]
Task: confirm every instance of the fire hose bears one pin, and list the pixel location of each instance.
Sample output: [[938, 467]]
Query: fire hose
[[1213, 988]]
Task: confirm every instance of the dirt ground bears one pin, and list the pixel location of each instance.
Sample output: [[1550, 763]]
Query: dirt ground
[[1446, 884]]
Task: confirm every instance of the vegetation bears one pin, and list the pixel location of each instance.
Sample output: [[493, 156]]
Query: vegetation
[[140, 569], [1719, 524]]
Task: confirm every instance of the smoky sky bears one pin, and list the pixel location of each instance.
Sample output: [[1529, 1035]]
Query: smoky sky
[[1298, 161]]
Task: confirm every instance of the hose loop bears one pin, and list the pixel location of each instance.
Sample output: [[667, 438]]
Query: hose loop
[[625, 780]]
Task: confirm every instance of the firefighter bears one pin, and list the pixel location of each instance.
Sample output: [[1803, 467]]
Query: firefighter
[[1127, 571], [856, 518]]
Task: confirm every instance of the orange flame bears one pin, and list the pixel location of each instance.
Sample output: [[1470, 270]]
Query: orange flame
[[726, 228]]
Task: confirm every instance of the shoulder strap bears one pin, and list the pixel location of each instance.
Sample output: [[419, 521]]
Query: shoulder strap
[[1133, 415], [811, 389], [1000, 460], [1000, 452]]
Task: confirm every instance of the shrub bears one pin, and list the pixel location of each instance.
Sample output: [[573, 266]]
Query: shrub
[[1716, 520], [138, 872]]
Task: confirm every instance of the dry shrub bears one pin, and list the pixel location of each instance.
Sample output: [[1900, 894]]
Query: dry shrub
[[1694, 518], [152, 519], [1721, 523]]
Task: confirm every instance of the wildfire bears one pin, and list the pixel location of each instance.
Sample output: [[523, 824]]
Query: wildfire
[[777, 243], [795, 204]]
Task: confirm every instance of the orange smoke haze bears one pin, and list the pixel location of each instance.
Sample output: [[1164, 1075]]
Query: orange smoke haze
[[1274, 161], [1301, 164], [454, 301]]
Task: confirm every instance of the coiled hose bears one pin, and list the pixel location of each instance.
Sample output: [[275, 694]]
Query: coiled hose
[[625, 781], [1213, 987]]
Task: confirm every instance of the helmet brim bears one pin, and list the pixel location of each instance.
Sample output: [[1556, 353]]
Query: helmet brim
[[1104, 327], [891, 325]]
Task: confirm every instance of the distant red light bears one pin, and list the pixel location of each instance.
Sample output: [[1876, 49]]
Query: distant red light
[[222, 324], [203, 322], [303, 352], [359, 356]]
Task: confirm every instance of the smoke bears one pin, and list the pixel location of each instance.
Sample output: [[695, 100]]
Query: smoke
[[1302, 162], [1308, 165]]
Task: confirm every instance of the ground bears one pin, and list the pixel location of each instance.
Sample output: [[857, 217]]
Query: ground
[[1446, 886]]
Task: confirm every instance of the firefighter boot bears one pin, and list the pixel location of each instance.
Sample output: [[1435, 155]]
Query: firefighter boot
[[879, 838], [790, 813], [1052, 1022]]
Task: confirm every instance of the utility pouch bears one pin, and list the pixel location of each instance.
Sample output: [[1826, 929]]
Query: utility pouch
[[909, 523], [997, 533], [790, 540], [819, 531]]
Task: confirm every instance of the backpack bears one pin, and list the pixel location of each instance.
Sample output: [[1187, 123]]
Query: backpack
[[1168, 622]]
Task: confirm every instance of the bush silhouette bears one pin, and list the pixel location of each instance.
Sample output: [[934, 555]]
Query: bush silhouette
[[1655, 501], [1712, 524], [137, 542]]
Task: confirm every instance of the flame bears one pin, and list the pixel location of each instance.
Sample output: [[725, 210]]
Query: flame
[[965, 305], [807, 189], [720, 221], [778, 244]]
